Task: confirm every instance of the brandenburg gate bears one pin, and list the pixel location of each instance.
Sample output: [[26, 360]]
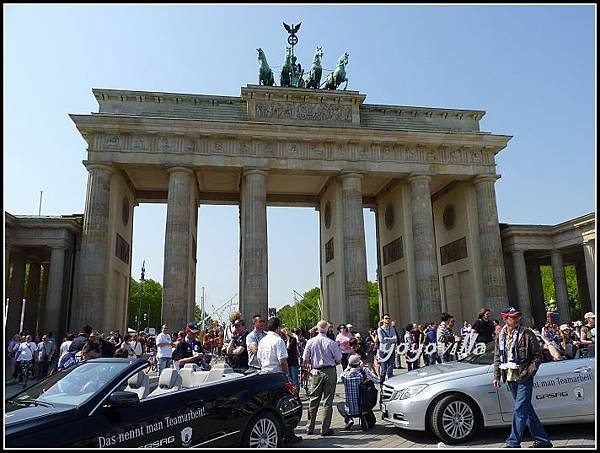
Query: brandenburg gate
[[427, 173]]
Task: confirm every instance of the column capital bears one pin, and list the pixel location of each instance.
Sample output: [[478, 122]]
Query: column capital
[[419, 176], [98, 166], [486, 178], [58, 247], [255, 171], [555, 252], [350, 174], [180, 169]]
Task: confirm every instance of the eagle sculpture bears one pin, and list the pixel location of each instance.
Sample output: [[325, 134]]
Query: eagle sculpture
[[293, 29]]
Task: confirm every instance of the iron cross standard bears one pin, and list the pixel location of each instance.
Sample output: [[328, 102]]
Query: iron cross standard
[[292, 39]]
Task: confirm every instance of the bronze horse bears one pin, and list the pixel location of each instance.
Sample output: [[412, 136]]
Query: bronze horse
[[265, 75], [334, 80], [314, 75]]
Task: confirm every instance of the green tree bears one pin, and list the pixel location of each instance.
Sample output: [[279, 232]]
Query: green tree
[[572, 289], [309, 312], [145, 297], [374, 315]]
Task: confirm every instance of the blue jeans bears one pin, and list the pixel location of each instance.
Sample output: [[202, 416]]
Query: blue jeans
[[295, 377], [524, 414], [163, 362], [386, 370]]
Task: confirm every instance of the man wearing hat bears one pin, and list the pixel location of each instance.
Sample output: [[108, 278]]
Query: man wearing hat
[[189, 350], [517, 357]]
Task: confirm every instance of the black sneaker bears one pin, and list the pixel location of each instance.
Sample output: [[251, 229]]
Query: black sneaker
[[349, 425], [537, 444], [329, 432]]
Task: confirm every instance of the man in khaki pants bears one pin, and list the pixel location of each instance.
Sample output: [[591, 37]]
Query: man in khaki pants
[[323, 354]]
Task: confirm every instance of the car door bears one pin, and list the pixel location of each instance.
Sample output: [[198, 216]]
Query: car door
[[565, 390], [175, 419], [561, 390]]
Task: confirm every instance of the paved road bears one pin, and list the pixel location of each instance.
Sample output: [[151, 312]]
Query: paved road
[[386, 435]]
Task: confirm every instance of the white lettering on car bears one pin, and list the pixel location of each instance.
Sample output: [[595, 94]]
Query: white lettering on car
[[160, 442]]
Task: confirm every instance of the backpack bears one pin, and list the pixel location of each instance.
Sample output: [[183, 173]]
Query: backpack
[[367, 393]]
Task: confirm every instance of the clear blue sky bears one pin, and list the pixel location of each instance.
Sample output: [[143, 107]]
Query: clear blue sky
[[531, 68]]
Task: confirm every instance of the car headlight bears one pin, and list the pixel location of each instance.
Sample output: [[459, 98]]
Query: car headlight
[[411, 391]]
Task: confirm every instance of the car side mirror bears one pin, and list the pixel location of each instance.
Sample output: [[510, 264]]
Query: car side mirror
[[124, 399]]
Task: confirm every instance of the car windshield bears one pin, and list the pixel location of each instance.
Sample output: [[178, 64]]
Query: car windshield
[[485, 358], [73, 386]]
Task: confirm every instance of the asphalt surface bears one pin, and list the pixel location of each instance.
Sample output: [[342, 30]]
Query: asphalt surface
[[386, 435]]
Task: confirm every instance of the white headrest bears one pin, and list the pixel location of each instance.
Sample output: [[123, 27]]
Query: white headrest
[[187, 377], [136, 381], [169, 378]]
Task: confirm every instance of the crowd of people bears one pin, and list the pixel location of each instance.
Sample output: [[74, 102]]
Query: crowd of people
[[268, 346]]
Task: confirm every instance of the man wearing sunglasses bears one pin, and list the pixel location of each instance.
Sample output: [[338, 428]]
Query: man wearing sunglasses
[[252, 340]]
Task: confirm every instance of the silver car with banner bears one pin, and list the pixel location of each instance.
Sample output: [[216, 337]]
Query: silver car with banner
[[456, 399]]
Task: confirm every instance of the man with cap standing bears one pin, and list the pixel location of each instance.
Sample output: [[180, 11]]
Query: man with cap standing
[[323, 354], [237, 350], [189, 350], [517, 357]]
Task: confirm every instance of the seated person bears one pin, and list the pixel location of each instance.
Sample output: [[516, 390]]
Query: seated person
[[352, 378], [567, 342]]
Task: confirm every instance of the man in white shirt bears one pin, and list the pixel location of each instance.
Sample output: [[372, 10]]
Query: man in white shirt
[[253, 339], [164, 348], [26, 355], [272, 352]]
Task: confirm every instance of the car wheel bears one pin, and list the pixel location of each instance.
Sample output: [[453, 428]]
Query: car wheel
[[455, 419], [263, 431]]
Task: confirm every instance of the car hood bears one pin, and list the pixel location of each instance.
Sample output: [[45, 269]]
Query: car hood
[[17, 415], [433, 374]]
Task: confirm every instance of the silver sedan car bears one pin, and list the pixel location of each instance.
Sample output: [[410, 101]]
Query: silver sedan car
[[456, 399]]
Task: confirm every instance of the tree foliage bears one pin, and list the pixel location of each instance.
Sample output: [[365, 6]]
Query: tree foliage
[[572, 289], [145, 297], [309, 311]]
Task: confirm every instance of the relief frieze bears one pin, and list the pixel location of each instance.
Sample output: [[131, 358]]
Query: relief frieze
[[331, 150], [304, 111]]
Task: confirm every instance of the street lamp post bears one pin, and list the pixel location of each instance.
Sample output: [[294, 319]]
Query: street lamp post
[[142, 280]]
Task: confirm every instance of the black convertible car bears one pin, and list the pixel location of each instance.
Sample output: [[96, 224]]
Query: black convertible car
[[109, 403]]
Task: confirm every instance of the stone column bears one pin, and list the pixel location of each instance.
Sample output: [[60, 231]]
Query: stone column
[[17, 290], [355, 256], [538, 307], [178, 238], [41, 311], [429, 303], [254, 262], [94, 249], [33, 296], [590, 267], [522, 286], [7, 257], [55, 289], [582, 288], [490, 245], [560, 287]]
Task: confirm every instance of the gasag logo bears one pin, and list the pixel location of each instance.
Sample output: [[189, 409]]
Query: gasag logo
[[551, 395]]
